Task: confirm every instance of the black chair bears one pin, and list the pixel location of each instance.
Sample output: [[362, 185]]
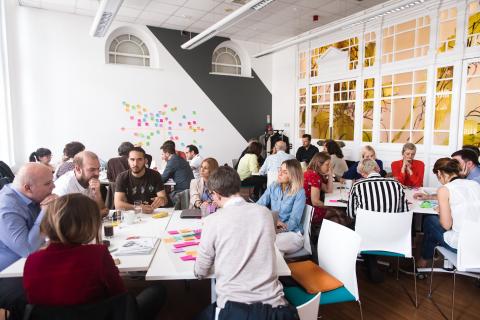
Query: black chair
[[350, 163], [119, 307], [6, 174]]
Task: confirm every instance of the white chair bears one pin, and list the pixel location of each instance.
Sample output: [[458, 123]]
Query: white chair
[[309, 310], [467, 259], [337, 254], [307, 247], [386, 234]]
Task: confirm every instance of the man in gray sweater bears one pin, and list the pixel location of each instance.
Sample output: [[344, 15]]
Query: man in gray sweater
[[238, 245]]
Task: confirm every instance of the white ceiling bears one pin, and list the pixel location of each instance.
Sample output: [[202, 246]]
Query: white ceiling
[[278, 21]]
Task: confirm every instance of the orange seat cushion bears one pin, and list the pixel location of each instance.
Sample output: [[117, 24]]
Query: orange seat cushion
[[313, 278]]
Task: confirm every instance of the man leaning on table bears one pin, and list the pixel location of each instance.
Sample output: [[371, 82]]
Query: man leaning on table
[[246, 276], [139, 183], [84, 179], [22, 205]]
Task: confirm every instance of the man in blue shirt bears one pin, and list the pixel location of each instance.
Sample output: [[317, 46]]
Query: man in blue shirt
[[21, 211], [469, 162]]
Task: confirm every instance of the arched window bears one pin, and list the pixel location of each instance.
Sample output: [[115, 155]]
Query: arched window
[[129, 49], [226, 61]]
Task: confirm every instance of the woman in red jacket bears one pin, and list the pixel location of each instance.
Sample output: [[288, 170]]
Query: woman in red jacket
[[408, 171], [71, 270]]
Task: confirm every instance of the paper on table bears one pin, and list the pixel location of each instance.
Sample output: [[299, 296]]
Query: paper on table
[[137, 246]]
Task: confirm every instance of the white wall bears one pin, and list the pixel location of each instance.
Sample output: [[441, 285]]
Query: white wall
[[62, 90]]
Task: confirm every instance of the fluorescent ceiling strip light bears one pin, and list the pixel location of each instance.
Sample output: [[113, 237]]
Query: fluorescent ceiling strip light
[[345, 23], [106, 12], [236, 16]]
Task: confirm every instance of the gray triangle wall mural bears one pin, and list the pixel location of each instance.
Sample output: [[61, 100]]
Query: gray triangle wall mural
[[245, 102]]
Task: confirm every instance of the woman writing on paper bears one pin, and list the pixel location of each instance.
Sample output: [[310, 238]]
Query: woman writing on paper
[[287, 197], [199, 193], [458, 203], [72, 270]]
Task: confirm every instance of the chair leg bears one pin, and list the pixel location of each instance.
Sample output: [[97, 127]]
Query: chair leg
[[415, 281], [361, 312], [431, 276], [398, 266], [453, 292]]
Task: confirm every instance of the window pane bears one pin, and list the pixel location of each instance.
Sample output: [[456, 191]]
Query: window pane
[[400, 136], [129, 48], [368, 115], [320, 121], [442, 112], [343, 121], [473, 28], [385, 114], [471, 129], [440, 138], [419, 104], [130, 60]]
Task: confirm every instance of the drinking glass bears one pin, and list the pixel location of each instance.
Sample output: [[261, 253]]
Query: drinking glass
[[108, 228], [137, 207]]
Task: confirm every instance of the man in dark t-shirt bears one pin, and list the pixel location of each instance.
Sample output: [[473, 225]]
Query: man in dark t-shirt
[[306, 152], [139, 183]]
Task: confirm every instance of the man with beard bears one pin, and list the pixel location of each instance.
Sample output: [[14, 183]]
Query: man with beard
[[83, 179], [139, 184], [22, 206]]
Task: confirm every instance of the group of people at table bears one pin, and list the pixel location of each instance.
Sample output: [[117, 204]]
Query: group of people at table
[[74, 268]]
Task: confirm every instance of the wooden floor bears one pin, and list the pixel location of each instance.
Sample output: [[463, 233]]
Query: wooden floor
[[388, 300]]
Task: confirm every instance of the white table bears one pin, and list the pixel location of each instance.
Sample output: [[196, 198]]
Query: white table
[[148, 226], [167, 266], [331, 199]]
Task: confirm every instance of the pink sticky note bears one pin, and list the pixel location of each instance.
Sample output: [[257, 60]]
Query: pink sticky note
[[173, 232], [186, 244], [197, 236], [333, 200], [188, 258]]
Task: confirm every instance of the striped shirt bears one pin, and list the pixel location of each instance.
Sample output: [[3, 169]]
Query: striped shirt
[[377, 194]]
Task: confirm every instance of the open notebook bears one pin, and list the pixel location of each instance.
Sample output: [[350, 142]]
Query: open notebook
[[137, 246]]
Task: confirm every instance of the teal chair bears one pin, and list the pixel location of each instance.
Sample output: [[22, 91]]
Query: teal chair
[[388, 235], [337, 250]]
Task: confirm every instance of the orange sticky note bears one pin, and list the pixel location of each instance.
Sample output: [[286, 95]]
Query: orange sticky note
[[185, 230], [169, 240]]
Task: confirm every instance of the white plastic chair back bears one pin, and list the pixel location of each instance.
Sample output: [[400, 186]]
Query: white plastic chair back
[[382, 231], [468, 254], [309, 310], [307, 221], [337, 253], [272, 176]]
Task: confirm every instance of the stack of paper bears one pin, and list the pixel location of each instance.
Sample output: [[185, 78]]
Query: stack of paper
[[137, 246]]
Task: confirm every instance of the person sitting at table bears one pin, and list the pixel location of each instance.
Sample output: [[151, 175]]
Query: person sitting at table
[[287, 197], [338, 163], [177, 169], [199, 193], [317, 179], [468, 160], [194, 159], [367, 153], [248, 168], [458, 203], [272, 163], [22, 205], [261, 159], [408, 171], [139, 183], [83, 179], [179, 153], [119, 164], [69, 152], [246, 274], [378, 194], [74, 271], [306, 152], [42, 155]]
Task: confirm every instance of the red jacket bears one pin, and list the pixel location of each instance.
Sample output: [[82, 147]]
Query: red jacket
[[415, 180], [71, 274]]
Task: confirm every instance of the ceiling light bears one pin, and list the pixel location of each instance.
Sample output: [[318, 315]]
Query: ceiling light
[[106, 12], [236, 16]]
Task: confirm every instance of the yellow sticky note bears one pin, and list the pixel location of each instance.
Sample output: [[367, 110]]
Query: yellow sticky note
[[169, 240], [185, 230], [189, 238], [191, 253]]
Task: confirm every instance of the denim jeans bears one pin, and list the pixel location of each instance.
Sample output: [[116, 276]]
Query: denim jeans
[[433, 236]]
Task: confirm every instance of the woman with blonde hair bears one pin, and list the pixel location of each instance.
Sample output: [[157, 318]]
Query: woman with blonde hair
[[458, 204], [287, 197], [74, 271], [317, 179], [199, 193], [368, 153]]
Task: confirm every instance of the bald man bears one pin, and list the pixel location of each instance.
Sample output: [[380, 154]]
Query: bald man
[[272, 163], [22, 206], [82, 179]]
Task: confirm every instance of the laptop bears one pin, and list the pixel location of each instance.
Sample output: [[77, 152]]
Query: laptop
[[191, 214]]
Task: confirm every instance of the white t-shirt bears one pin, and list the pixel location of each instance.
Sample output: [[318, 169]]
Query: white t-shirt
[[67, 184], [195, 164]]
